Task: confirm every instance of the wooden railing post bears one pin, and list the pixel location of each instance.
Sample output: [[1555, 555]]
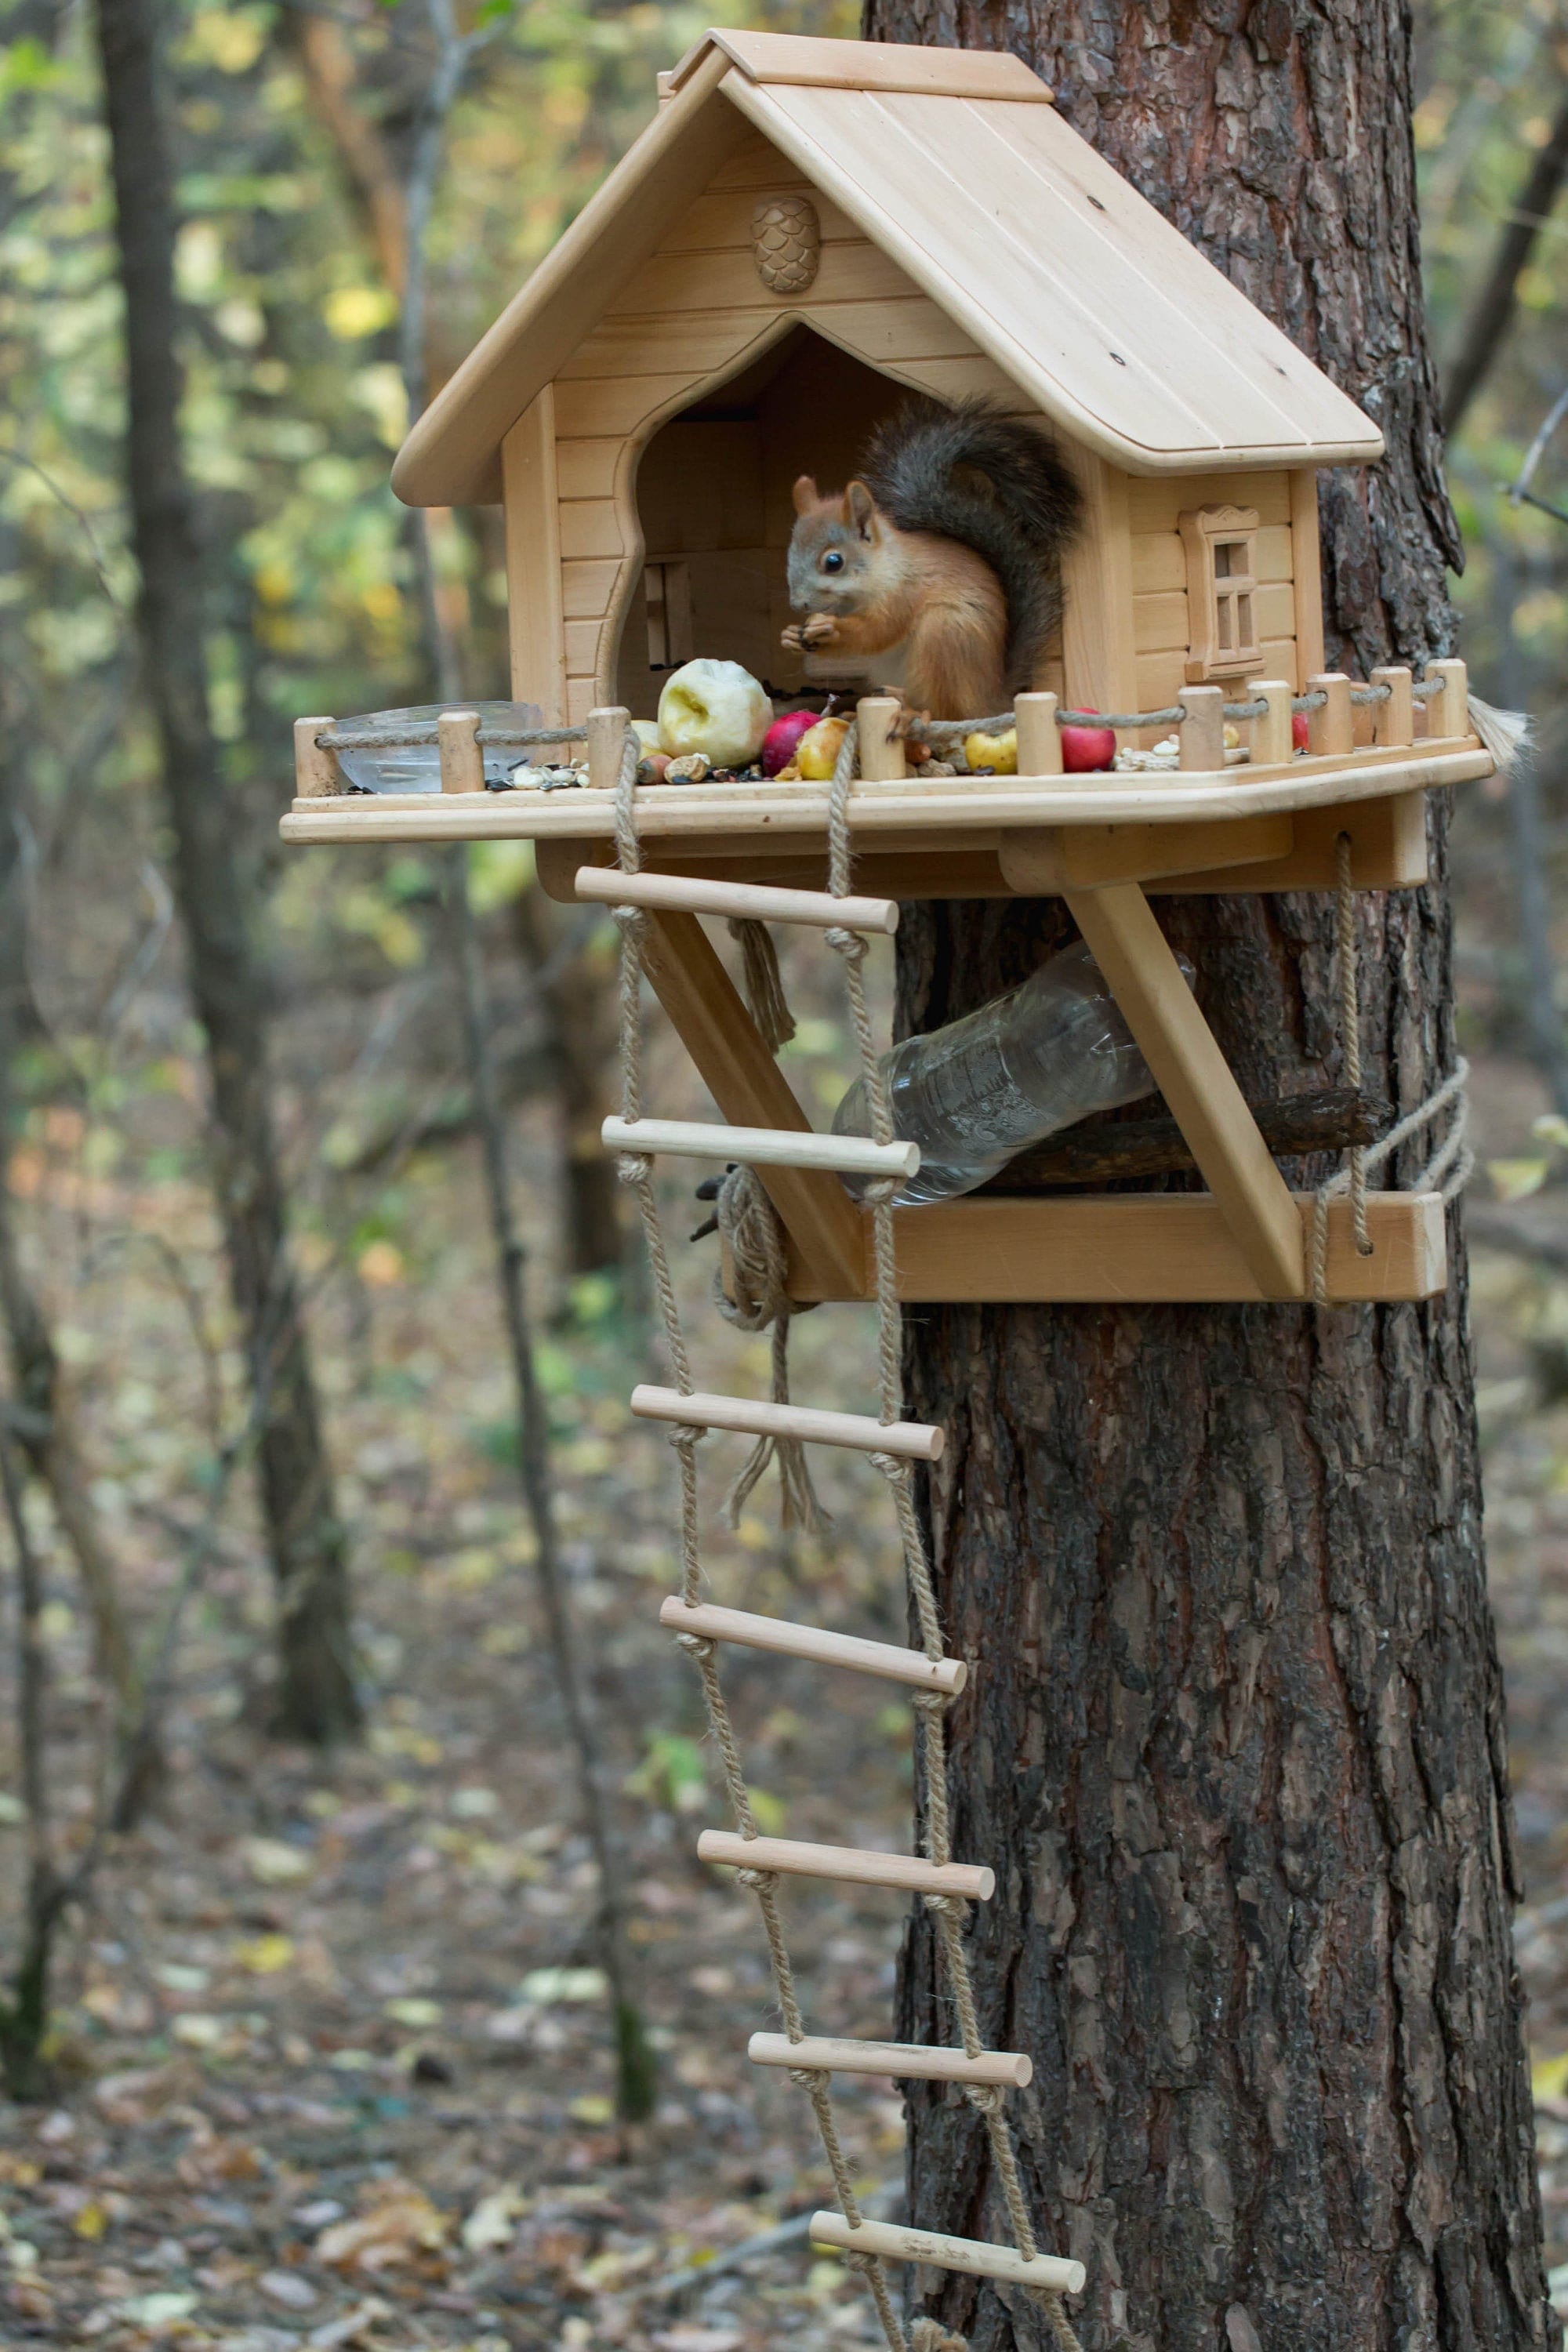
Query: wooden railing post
[[462, 761], [1201, 731], [316, 773]]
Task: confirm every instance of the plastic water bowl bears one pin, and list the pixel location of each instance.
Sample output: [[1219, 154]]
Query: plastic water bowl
[[416, 767]]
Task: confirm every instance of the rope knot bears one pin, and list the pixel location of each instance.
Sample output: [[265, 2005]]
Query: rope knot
[[948, 1906], [931, 1702], [930, 2336], [685, 1437], [759, 1881], [632, 1167], [850, 945], [695, 1645], [805, 2078], [988, 2097]]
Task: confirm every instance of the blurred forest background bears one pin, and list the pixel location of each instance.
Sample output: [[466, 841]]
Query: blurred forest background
[[331, 1680]]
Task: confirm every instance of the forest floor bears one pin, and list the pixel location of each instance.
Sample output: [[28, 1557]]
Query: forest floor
[[331, 2049]]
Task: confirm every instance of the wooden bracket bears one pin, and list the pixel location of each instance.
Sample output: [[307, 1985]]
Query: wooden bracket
[[1128, 1248], [751, 1090], [1132, 952], [1171, 857]]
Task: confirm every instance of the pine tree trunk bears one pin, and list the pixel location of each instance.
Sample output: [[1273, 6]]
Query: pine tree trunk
[[316, 1695], [1236, 1744]]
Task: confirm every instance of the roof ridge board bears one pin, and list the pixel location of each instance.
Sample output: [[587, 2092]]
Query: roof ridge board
[[815, 60]]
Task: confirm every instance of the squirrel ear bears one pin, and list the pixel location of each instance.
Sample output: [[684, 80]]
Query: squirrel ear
[[807, 495], [860, 509]]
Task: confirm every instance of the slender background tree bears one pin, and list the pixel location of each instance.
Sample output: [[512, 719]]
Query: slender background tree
[[316, 1698], [1239, 1757]]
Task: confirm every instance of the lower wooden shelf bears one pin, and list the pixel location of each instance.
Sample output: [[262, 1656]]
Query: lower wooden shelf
[[1128, 1247]]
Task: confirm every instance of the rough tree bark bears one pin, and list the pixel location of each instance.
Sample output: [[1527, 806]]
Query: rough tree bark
[[1237, 1747], [316, 1697]]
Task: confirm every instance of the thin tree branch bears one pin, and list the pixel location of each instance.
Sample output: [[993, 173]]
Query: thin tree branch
[[1494, 307]]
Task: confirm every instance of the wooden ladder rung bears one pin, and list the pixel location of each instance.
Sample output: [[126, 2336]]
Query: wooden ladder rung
[[896, 2243], [853, 1865], [761, 1147], [754, 902], [914, 2060], [754, 1417], [894, 1666]]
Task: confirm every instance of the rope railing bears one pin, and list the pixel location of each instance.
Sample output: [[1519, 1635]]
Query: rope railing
[[421, 733], [317, 742]]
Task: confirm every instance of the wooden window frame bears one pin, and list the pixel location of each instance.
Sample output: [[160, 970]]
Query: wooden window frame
[[1221, 547]]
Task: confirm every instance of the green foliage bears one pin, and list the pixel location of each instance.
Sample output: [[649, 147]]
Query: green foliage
[[294, 401], [1491, 80]]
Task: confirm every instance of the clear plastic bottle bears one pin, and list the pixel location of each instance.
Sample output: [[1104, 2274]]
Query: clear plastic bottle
[[984, 1087]]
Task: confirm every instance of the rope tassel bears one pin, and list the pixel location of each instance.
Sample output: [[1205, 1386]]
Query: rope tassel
[[765, 999]]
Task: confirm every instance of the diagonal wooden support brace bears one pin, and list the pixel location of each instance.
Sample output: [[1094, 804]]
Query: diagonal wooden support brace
[[751, 1090], [1132, 952]]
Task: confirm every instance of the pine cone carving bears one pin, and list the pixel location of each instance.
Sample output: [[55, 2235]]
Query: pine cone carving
[[786, 241]]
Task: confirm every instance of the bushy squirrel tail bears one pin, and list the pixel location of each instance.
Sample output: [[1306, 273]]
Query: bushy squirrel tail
[[996, 485]]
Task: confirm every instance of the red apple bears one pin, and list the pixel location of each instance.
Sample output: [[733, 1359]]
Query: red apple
[[1301, 729], [1085, 748], [779, 742]]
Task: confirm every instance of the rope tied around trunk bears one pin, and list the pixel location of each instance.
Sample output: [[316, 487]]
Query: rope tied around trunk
[[1449, 1169]]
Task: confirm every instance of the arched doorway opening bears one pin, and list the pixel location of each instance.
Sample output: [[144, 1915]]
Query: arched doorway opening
[[713, 505]]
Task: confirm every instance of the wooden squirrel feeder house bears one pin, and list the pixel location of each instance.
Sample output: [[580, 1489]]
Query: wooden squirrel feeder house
[[809, 231]]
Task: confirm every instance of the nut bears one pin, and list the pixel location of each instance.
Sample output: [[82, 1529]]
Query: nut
[[690, 770]]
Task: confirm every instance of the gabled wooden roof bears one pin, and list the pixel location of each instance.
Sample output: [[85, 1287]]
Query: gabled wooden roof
[[956, 164]]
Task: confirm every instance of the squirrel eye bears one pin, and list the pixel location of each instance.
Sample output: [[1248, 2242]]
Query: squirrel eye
[[832, 561]]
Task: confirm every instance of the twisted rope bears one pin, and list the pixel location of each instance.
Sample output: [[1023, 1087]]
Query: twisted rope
[[947, 1912], [423, 731], [1449, 1168]]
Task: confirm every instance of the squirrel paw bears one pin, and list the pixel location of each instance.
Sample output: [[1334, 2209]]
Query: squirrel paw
[[819, 629]]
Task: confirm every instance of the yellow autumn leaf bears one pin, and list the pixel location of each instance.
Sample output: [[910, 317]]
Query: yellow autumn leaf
[[265, 1956], [592, 2108], [273, 1864], [1549, 2076], [1516, 1180], [91, 2222], [414, 2013], [353, 311]]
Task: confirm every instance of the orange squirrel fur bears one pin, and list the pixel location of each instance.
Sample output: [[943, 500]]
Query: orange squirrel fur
[[947, 553]]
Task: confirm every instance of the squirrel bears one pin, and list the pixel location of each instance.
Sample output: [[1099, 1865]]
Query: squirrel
[[947, 547]]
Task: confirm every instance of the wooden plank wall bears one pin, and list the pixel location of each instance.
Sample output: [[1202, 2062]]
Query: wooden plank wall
[[1160, 629], [694, 314]]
